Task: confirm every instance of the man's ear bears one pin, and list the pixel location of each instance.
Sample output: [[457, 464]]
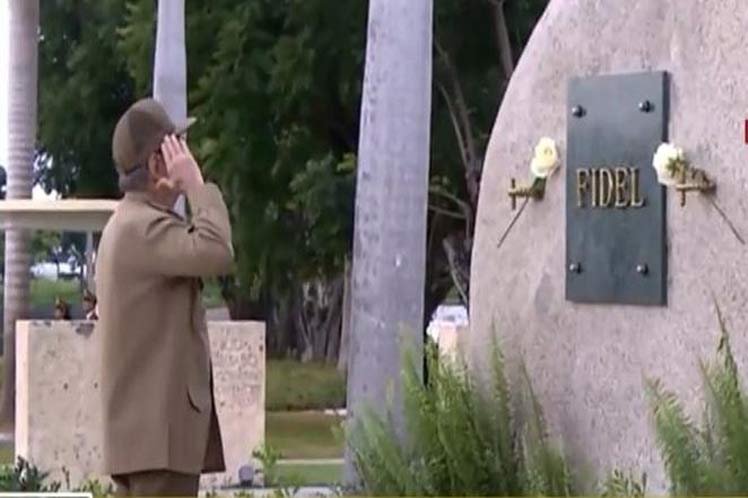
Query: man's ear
[[153, 167]]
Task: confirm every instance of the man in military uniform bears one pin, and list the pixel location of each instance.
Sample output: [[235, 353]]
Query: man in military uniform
[[160, 426]]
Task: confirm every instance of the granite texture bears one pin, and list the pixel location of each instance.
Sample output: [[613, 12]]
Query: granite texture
[[587, 362], [58, 403]]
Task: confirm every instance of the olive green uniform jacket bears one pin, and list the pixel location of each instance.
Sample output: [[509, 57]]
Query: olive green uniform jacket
[[156, 376]]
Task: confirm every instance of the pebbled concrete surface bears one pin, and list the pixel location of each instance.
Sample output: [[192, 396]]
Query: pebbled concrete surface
[[587, 362]]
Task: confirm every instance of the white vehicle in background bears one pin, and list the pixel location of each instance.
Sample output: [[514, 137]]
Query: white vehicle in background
[[447, 315], [50, 271]]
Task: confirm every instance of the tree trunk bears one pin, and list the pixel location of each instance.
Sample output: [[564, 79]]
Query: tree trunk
[[389, 259], [333, 319], [170, 67], [22, 94], [241, 307], [345, 326], [280, 327], [319, 308], [504, 43], [333, 339]]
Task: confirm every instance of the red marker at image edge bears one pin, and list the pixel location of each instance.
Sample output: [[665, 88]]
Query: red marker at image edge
[[745, 131]]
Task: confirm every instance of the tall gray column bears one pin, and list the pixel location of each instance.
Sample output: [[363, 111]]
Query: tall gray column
[[389, 253], [170, 66]]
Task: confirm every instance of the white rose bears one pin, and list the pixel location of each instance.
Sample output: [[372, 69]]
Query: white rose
[[545, 160], [668, 161]]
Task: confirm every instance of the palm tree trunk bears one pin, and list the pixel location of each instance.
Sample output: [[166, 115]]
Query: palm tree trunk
[[22, 91], [391, 207], [170, 66]]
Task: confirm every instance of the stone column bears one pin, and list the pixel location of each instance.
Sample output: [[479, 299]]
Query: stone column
[[391, 206], [170, 67]]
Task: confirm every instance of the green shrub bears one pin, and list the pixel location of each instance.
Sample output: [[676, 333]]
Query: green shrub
[[96, 488], [620, 484], [24, 477], [461, 440], [268, 458], [711, 459]]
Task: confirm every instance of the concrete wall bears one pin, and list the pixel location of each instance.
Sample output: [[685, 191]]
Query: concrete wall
[[587, 361], [58, 398]]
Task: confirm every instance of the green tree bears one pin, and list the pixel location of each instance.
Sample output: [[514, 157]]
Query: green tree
[[84, 88], [46, 245], [276, 87]]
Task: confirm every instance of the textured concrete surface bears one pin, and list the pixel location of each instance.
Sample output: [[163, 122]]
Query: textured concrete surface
[[588, 361], [58, 399]]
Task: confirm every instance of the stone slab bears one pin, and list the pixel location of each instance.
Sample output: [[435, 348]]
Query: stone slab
[[587, 361], [609, 148], [58, 405]]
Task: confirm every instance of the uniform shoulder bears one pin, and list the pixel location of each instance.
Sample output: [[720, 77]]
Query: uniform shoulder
[[143, 219], [130, 218]]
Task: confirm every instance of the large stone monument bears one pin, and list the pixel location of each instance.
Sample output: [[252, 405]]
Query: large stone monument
[[610, 277]]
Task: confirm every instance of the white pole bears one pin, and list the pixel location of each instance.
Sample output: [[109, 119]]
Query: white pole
[[90, 282], [170, 67]]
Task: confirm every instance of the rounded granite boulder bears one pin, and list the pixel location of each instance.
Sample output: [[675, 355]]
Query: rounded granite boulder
[[588, 362]]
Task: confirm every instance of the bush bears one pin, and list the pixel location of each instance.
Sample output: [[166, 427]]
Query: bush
[[461, 440], [711, 459], [292, 385], [622, 484], [24, 477]]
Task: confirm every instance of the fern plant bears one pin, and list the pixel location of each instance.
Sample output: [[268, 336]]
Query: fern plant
[[624, 485], [710, 458], [25, 477], [461, 440], [97, 488], [268, 458]]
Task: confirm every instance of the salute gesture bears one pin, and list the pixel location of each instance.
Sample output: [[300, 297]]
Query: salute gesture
[[182, 170]]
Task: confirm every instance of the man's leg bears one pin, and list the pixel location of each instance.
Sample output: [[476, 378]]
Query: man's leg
[[163, 483]]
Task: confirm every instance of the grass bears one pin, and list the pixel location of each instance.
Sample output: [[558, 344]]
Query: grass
[[303, 434], [212, 294], [292, 385], [310, 474], [7, 453], [44, 292], [295, 434]]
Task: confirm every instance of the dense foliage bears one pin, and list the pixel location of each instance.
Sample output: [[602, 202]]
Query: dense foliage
[[462, 439], [276, 87], [710, 459]]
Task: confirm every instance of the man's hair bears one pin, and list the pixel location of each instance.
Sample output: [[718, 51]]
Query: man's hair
[[135, 180]]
